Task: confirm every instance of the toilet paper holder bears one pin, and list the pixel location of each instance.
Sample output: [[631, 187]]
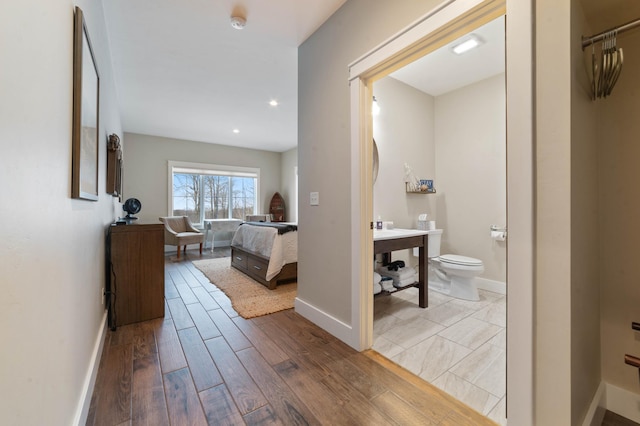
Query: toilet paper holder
[[498, 233]]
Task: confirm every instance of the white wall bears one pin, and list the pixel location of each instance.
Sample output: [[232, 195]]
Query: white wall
[[146, 169], [52, 257], [470, 153], [404, 134]]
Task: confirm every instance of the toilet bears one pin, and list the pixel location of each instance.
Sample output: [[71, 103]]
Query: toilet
[[452, 274]]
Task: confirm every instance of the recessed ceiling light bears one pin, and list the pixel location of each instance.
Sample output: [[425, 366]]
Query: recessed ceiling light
[[273, 102], [467, 44], [236, 130]]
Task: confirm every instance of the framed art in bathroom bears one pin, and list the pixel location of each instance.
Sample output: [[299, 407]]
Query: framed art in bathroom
[[86, 114]]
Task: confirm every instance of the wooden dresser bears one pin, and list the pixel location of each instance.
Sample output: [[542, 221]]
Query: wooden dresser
[[136, 273]]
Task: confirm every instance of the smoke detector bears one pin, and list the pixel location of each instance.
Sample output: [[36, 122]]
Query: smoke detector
[[238, 22]]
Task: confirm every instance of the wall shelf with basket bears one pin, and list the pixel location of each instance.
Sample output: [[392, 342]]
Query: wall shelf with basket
[[420, 187]]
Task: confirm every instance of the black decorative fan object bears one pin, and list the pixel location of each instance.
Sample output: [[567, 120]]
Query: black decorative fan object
[[131, 206]]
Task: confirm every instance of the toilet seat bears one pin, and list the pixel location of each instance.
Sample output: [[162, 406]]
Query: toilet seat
[[455, 259]]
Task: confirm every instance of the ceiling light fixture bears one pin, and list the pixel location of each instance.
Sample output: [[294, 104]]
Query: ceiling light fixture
[[236, 131], [375, 108], [273, 102], [467, 44], [238, 22]]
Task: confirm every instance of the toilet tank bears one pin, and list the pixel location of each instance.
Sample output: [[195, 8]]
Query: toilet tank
[[434, 242]]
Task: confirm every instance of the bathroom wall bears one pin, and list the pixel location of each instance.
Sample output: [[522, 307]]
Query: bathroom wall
[[467, 161], [404, 134], [470, 152]]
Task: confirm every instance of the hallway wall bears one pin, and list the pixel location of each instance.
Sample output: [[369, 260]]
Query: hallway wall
[[53, 253]]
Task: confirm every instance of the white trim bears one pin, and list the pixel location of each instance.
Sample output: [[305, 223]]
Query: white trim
[[623, 402], [325, 321], [92, 372], [216, 167], [596, 410], [491, 285], [520, 55]]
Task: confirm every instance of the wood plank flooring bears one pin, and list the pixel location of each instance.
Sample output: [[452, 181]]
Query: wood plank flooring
[[203, 364]]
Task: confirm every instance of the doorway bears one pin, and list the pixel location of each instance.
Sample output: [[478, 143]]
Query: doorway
[[434, 31], [441, 119]]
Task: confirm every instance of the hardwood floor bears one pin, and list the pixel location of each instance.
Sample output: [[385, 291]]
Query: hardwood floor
[[203, 364]]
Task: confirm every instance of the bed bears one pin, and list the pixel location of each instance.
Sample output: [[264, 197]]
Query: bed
[[266, 251]]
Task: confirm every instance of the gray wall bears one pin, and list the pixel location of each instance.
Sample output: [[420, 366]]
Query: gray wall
[[288, 186], [146, 169], [585, 246], [52, 257], [325, 261], [618, 175]]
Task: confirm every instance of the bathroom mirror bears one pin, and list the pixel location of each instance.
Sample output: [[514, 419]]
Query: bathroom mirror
[[375, 161]]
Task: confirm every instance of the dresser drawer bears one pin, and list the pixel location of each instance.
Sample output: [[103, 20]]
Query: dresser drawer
[[239, 259], [257, 267]]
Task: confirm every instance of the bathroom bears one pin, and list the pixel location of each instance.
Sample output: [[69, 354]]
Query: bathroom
[[453, 134]]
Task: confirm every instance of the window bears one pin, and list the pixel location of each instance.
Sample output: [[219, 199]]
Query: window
[[202, 191]]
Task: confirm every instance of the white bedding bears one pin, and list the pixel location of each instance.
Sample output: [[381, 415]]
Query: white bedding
[[280, 249]]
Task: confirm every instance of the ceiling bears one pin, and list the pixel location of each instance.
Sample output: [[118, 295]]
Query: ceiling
[[181, 71], [442, 71]]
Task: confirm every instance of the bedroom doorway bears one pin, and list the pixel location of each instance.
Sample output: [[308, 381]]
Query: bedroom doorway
[[444, 25]]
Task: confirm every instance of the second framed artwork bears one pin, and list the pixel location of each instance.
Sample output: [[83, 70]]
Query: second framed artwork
[[86, 114], [114, 166]]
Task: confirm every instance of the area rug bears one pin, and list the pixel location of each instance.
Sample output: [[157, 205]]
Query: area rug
[[248, 297]]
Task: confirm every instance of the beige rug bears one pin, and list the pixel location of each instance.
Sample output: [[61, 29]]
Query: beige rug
[[248, 297]]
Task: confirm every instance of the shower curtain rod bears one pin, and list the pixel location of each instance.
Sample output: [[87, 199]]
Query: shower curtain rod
[[586, 41]]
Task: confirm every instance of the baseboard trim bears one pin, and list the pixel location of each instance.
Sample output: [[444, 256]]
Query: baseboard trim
[[323, 320], [623, 402], [614, 399], [90, 380], [596, 410], [491, 285]]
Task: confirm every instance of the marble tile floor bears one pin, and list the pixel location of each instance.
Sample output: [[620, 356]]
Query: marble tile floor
[[458, 346]]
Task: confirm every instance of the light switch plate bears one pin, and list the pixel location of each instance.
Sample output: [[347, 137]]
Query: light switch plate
[[314, 198]]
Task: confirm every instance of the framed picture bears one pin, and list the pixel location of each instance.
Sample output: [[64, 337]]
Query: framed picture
[[114, 166], [86, 114]]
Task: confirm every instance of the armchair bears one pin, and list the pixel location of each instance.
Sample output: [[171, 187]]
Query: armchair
[[178, 231]]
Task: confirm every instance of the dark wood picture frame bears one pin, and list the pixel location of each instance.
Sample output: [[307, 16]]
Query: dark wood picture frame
[[86, 114]]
